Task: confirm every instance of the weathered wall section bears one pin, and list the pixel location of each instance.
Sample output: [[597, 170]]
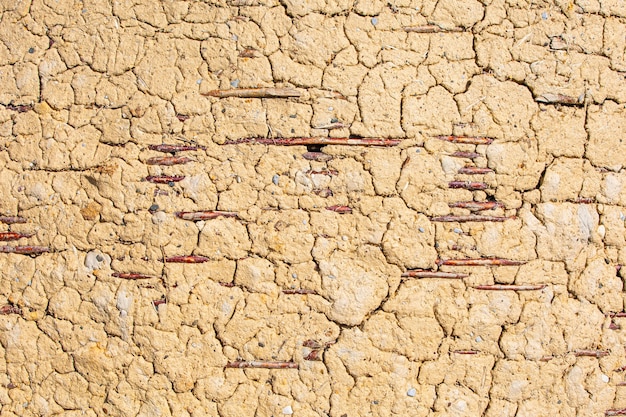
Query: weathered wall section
[[345, 265]]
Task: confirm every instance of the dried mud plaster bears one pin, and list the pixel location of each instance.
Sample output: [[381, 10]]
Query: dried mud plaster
[[155, 261]]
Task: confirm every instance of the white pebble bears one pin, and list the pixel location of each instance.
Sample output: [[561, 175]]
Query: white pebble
[[124, 302], [288, 410], [159, 217], [479, 339], [605, 378], [461, 405], [96, 260], [411, 392]]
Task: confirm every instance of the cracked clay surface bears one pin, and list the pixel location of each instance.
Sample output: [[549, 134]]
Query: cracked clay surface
[[469, 264]]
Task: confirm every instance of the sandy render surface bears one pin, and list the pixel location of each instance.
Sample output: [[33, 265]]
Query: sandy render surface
[[100, 317]]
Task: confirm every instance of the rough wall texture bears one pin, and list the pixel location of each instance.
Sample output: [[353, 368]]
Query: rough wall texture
[[343, 265]]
